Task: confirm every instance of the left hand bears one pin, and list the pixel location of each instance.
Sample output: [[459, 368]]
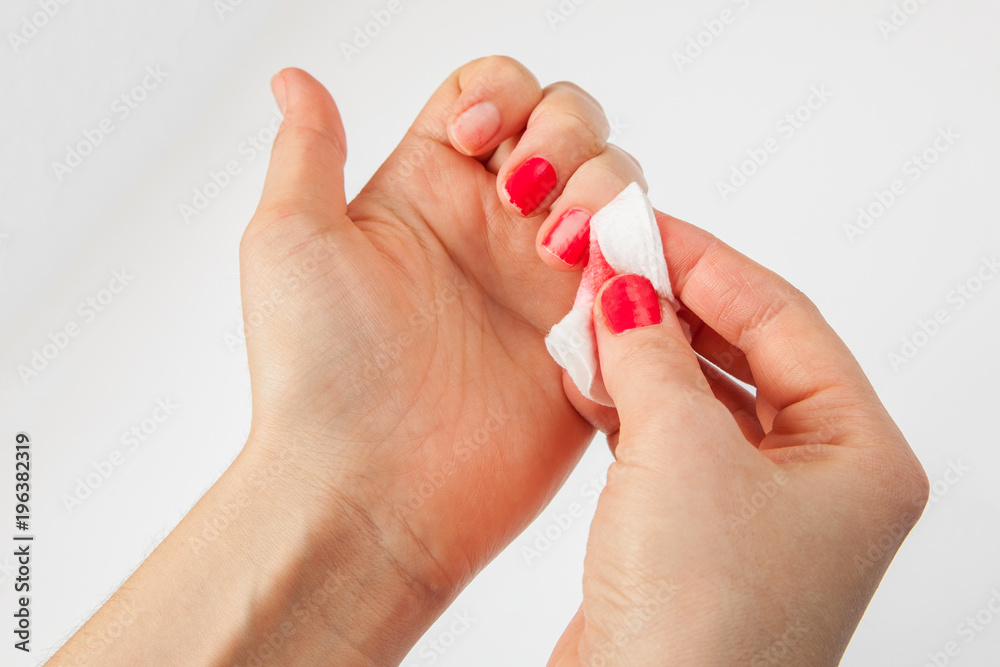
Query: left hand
[[396, 341]]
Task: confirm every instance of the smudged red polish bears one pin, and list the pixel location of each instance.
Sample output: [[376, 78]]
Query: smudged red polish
[[475, 127], [569, 236], [529, 184], [630, 302]]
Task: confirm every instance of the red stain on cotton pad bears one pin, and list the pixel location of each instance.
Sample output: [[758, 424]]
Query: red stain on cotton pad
[[596, 273], [624, 239]]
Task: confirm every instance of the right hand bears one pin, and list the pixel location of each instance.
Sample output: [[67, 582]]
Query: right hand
[[734, 529]]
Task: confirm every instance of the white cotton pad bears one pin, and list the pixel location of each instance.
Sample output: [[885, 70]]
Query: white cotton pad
[[624, 238]]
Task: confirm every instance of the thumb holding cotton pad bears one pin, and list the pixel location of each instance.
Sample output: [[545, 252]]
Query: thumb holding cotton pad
[[624, 238]]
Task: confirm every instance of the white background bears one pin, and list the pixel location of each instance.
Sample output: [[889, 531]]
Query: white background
[[170, 333]]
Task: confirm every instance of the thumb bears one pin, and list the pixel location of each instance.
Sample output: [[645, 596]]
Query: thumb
[[649, 368], [305, 178]]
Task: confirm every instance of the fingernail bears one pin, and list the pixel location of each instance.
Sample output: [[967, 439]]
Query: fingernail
[[529, 185], [279, 90], [569, 237], [474, 128], [630, 302]]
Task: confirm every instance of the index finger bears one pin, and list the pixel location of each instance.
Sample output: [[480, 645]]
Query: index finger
[[792, 351]]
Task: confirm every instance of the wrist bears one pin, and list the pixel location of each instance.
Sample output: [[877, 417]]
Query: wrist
[[269, 567], [353, 576]]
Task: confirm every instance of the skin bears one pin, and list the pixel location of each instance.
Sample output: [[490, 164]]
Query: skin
[[408, 422], [738, 528]]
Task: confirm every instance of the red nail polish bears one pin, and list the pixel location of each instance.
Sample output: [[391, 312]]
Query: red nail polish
[[529, 185], [630, 302], [568, 238]]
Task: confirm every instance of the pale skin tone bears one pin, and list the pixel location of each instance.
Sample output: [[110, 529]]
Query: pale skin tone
[[408, 422]]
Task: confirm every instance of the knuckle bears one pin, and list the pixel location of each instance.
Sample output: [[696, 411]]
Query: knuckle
[[626, 158], [504, 63], [575, 111], [686, 400], [607, 174], [577, 93], [762, 313], [911, 489], [613, 172], [899, 485], [585, 140], [797, 299], [661, 361], [755, 300], [310, 143], [674, 409], [489, 71]]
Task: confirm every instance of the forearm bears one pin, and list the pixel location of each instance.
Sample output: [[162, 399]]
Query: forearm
[[269, 567]]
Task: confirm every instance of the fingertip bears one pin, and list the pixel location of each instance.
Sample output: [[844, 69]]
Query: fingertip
[[527, 189], [641, 345], [488, 100], [628, 302], [280, 90], [306, 168], [564, 239], [634, 303], [306, 103], [472, 131]]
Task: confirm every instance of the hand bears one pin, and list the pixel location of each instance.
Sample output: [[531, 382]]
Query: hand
[[735, 529], [396, 342], [407, 419]]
